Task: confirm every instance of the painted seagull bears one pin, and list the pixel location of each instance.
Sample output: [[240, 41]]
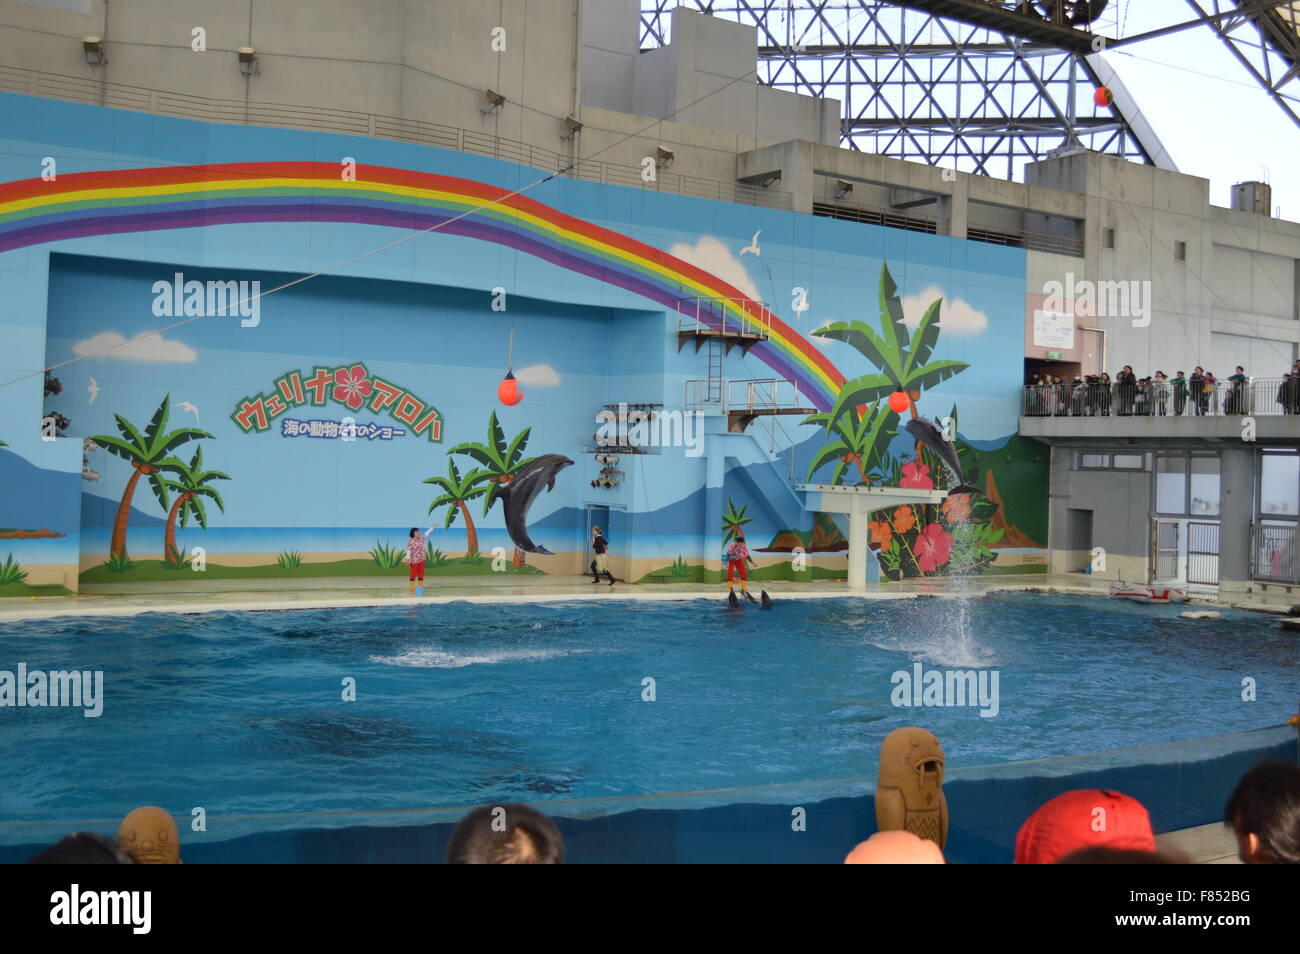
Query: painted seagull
[[929, 435], [752, 247], [93, 388], [187, 406], [518, 495]]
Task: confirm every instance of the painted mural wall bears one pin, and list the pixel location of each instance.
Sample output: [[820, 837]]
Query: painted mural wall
[[213, 410]]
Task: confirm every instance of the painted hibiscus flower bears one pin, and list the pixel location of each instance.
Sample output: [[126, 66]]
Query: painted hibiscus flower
[[933, 548], [351, 386], [956, 508], [881, 535], [916, 476], [904, 519]]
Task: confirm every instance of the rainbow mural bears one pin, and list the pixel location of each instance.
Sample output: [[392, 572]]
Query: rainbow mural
[[33, 211]]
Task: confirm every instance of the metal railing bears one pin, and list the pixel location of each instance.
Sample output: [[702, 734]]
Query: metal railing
[[729, 316], [1254, 396], [327, 119], [1275, 552], [758, 394]]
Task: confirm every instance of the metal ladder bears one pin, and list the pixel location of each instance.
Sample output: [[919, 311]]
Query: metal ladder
[[716, 384]]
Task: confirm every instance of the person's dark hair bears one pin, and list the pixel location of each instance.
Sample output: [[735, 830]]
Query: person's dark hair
[[510, 834], [1102, 855], [83, 848], [1266, 804], [414, 531]]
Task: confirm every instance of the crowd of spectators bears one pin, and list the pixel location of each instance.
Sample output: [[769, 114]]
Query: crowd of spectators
[[1159, 395], [1263, 813]]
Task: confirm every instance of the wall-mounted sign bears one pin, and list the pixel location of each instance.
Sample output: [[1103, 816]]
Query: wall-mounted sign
[[351, 386], [1055, 355], [1054, 329]]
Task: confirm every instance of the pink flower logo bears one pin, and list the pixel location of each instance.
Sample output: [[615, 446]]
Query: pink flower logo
[[933, 548], [351, 387], [916, 476]]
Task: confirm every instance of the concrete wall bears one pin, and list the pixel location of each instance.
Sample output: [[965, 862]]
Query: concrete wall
[[1120, 502], [1239, 276]]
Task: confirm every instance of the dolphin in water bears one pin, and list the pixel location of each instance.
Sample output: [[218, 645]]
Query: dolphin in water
[[929, 435], [518, 495]]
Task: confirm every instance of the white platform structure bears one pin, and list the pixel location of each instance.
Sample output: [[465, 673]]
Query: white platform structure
[[858, 504]]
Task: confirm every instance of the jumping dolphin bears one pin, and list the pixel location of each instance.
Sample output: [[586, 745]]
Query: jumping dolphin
[[518, 495], [929, 435]]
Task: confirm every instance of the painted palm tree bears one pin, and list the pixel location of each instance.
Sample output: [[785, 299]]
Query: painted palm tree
[[190, 484], [499, 461], [902, 359], [733, 520], [456, 492], [150, 454], [863, 441]]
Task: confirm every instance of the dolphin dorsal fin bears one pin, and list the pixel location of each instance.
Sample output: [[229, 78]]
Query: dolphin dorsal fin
[[550, 484]]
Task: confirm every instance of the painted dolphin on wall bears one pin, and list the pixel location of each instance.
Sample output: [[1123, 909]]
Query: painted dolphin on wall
[[518, 495], [926, 433]]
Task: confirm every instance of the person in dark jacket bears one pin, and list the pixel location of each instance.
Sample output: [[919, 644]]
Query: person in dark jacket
[[1236, 401], [1197, 382], [599, 565], [1126, 386]]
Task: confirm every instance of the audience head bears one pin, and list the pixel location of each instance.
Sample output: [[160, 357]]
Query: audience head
[[150, 836], [1083, 818], [895, 848], [1264, 813], [509, 834], [83, 848]]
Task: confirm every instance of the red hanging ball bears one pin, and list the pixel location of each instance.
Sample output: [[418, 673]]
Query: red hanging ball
[[899, 402], [508, 390], [1102, 96]]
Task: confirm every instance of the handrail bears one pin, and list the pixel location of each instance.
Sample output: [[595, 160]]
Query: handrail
[[1267, 397], [349, 122], [704, 313]]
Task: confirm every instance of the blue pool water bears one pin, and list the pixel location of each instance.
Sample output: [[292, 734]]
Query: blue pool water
[[458, 703]]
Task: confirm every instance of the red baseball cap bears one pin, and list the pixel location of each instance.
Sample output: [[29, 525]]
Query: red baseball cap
[[1083, 818]]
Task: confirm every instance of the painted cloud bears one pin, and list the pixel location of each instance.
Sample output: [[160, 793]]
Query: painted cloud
[[538, 376], [956, 316], [150, 348], [711, 255]]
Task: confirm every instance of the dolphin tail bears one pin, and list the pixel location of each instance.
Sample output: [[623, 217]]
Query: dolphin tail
[[965, 489]]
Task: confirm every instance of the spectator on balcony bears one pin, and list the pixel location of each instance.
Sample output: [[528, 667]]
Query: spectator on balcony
[[1197, 382], [1061, 394], [1160, 393], [1209, 393], [1079, 395], [1104, 388], [1288, 393], [1126, 386], [1141, 397], [1180, 393], [1235, 400]]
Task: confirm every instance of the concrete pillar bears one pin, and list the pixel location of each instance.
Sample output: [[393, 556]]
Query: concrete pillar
[[956, 207], [1236, 511], [859, 552], [715, 472]]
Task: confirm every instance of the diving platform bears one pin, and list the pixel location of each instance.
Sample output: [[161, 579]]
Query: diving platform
[[739, 420], [731, 322], [858, 504]]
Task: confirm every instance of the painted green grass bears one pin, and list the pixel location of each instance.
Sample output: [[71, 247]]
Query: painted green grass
[[20, 590], [149, 571], [695, 573]]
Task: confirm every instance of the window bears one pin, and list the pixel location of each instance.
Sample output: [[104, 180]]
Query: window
[[1107, 238], [1171, 484], [1279, 485], [1180, 251], [1087, 460], [1204, 486]]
